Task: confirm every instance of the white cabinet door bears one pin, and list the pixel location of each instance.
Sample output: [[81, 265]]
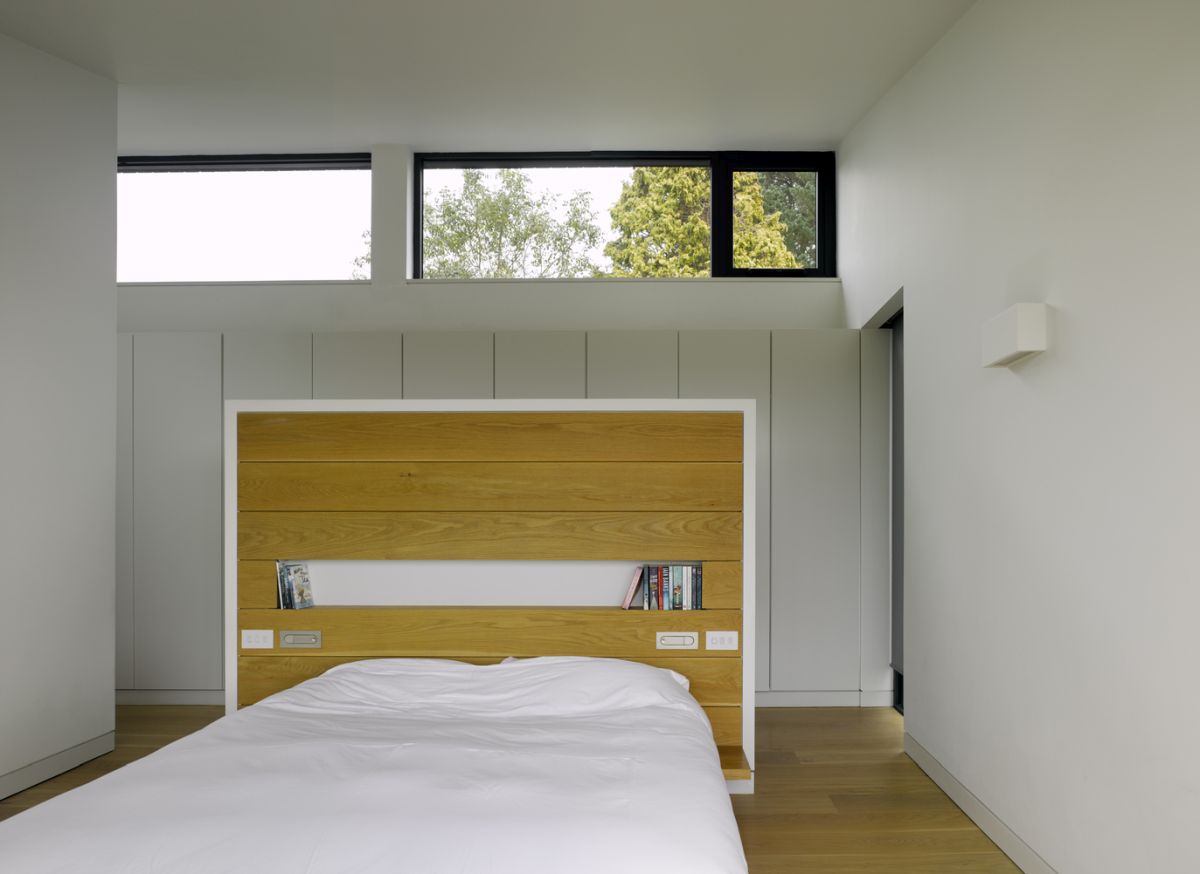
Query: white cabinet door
[[875, 671], [737, 364], [633, 364], [177, 587], [262, 365], [358, 365], [456, 364], [815, 511], [541, 364], [125, 612]]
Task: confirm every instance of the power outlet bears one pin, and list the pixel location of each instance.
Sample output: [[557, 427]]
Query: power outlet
[[721, 640], [258, 638], [677, 640]]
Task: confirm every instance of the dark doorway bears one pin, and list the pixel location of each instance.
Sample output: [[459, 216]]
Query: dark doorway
[[896, 323]]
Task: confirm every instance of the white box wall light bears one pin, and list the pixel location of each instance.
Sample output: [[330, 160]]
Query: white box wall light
[[1014, 335]]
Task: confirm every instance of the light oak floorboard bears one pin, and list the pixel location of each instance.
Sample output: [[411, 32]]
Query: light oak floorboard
[[141, 730], [834, 793]]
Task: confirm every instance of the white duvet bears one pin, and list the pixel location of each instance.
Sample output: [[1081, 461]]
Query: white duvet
[[540, 766]]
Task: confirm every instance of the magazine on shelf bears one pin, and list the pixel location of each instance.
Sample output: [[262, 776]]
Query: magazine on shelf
[[295, 587]]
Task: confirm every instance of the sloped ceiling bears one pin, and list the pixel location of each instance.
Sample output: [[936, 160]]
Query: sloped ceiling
[[201, 76]]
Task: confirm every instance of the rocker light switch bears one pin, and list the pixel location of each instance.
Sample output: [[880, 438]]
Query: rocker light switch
[[258, 638], [721, 640]]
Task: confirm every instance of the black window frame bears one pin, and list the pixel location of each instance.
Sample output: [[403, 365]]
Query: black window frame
[[722, 166], [233, 163]]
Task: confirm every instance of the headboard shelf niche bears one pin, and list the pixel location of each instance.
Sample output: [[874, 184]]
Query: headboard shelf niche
[[523, 481]]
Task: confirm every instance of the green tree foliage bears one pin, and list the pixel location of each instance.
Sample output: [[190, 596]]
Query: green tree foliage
[[506, 231], [794, 196], [663, 221], [758, 236]]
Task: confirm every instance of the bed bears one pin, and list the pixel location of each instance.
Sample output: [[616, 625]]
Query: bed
[[536, 766], [455, 738]]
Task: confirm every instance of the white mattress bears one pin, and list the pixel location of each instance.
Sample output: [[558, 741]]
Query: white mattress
[[540, 766]]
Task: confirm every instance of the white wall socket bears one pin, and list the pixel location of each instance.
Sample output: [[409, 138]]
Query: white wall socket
[[720, 640], [677, 639], [258, 638]]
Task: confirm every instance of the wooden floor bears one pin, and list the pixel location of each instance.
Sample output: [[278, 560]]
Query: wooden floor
[[140, 731], [834, 793]]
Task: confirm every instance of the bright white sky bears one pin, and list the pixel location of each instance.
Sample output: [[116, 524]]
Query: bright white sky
[[604, 184], [283, 224], [241, 225]]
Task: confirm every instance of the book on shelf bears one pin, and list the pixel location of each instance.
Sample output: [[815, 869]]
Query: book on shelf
[[638, 576], [664, 586], [295, 587]]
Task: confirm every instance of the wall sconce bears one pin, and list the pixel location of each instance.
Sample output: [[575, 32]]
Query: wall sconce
[[1016, 334]]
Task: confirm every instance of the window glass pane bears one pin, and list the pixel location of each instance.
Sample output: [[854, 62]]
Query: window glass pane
[[566, 222], [225, 226], [775, 219]]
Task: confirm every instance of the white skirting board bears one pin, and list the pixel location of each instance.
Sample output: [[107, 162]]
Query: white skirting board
[[51, 766], [836, 698], [1022, 855], [170, 696], [740, 787]]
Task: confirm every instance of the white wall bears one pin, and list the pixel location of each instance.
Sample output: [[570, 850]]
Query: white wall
[[1046, 151], [58, 359]]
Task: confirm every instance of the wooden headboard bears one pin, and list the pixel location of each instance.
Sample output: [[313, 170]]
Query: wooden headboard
[[304, 481]]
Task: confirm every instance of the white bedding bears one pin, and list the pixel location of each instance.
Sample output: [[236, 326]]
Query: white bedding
[[539, 766]]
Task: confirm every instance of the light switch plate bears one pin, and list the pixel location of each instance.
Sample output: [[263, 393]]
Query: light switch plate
[[677, 640], [721, 640], [258, 638], [299, 640]]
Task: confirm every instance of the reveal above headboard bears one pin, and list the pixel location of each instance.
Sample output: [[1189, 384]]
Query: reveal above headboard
[[523, 481]]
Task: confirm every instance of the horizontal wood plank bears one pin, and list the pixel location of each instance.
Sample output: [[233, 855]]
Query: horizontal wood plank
[[734, 762], [726, 724], [712, 681], [257, 584], [447, 632], [722, 582], [490, 436], [489, 486], [584, 536]]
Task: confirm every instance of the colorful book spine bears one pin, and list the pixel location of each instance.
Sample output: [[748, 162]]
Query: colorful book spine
[[699, 598], [633, 587], [664, 578], [655, 588]]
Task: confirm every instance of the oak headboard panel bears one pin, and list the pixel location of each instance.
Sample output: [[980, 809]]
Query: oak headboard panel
[[491, 480]]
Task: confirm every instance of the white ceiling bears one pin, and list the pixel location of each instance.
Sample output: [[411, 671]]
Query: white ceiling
[[231, 76]]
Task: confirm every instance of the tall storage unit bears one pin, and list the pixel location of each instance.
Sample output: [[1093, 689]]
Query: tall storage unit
[[177, 511], [358, 365], [737, 364], [266, 365], [541, 364], [449, 365], [815, 513], [633, 364]]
